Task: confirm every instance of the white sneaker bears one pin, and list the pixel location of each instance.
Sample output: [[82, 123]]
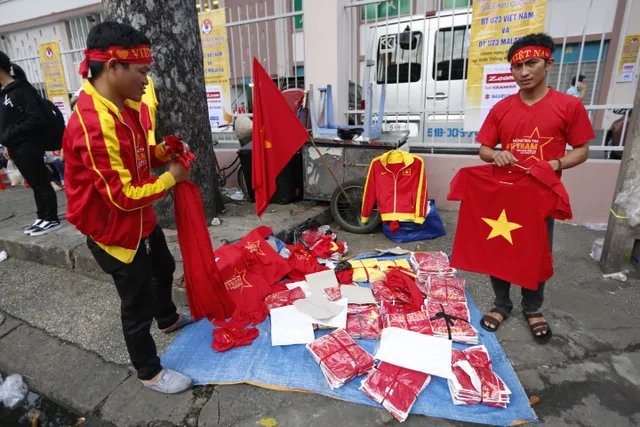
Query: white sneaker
[[33, 226], [46, 227]]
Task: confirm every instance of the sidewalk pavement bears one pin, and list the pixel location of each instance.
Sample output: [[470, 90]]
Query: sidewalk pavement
[[67, 248], [62, 332]]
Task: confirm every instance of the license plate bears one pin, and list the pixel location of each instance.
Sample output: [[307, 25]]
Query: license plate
[[401, 126]]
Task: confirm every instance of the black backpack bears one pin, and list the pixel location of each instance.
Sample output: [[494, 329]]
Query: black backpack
[[52, 137]]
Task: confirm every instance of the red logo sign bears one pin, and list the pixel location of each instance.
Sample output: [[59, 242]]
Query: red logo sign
[[500, 78], [49, 53], [214, 95]]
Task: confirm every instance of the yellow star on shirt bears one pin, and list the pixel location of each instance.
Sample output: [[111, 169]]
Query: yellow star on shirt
[[501, 227]]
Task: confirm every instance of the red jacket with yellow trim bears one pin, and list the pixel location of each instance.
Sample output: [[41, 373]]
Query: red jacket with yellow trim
[[397, 183], [107, 176]]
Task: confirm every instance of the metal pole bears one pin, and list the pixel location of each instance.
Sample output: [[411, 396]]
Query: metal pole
[[621, 237]]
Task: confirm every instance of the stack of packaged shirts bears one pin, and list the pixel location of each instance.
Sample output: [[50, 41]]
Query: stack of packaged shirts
[[395, 388], [283, 298], [392, 296], [445, 288], [450, 319], [364, 321], [340, 358], [427, 263], [474, 382], [415, 322]]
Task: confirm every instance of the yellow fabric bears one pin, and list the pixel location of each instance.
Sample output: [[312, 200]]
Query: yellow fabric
[[385, 265], [367, 274], [150, 99], [396, 156]]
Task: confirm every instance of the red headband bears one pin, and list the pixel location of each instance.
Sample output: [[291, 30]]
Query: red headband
[[530, 52], [134, 55]]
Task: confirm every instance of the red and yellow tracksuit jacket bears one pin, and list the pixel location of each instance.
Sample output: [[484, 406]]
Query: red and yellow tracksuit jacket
[[397, 183], [107, 173]]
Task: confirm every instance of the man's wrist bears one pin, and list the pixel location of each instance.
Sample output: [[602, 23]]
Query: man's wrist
[[557, 166]]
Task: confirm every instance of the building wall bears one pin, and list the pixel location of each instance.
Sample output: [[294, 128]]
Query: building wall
[[16, 14]]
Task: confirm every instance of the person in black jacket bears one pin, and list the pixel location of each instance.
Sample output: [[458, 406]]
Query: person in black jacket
[[22, 124]]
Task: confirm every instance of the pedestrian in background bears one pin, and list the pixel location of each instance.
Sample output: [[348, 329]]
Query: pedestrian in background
[[22, 125], [578, 89]]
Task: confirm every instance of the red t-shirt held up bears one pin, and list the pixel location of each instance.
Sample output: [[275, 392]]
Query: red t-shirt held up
[[537, 132], [502, 229]]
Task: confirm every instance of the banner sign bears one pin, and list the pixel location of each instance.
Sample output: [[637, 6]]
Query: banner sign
[[54, 79], [627, 67], [215, 49], [495, 26]]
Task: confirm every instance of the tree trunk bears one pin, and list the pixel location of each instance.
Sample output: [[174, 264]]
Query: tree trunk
[[177, 71]]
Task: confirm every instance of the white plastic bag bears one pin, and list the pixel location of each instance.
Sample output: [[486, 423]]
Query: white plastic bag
[[12, 391], [630, 201], [14, 174]]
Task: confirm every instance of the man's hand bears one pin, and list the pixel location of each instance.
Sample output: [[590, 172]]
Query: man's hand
[[555, 164], [179, 172], [504, 158]]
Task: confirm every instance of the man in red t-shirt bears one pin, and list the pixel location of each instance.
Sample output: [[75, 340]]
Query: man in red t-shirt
[[535, 124]]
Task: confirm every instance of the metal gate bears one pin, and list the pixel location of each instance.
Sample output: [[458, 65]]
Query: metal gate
[[422, 57]]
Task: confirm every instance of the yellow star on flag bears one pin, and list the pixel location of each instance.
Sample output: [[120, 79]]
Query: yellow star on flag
[[501, 227]]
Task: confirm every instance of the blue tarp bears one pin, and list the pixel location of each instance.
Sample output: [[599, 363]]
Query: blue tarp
[[293, 368]]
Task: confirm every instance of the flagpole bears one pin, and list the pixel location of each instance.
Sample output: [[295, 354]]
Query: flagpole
[[335, 178]]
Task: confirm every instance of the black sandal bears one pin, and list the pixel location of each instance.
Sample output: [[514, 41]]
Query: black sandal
[[492, 320], [539, 327]]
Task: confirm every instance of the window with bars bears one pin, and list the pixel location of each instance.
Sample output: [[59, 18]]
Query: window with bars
[[400, 57], [451, 50]]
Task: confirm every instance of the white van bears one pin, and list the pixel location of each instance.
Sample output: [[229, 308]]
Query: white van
[[423, 62]]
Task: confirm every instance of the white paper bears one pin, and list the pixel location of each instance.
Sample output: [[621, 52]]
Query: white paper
[[318, 306], [357, 294], [321, 280], [290, 326], [411, 350], [338, 321]]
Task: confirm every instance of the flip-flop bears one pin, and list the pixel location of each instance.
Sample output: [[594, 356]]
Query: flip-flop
[[539, 327], [492, 320], [185, 319]]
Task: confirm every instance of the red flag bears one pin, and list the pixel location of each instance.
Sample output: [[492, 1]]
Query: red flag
[[277, 136]]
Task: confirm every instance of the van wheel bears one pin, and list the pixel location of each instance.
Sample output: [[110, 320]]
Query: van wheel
[[347, 213]]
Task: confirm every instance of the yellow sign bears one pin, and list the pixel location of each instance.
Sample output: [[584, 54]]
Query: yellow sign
[[54, 80], [215, 49], [628, 59], [495, 26]]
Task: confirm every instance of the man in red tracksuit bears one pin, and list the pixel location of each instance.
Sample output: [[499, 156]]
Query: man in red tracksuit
[[533, 125], [110, 192]]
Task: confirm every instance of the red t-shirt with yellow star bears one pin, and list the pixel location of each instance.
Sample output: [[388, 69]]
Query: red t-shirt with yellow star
[[502, 224], [537, 132]]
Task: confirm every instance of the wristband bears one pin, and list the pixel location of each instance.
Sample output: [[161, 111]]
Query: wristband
[[559, 164]]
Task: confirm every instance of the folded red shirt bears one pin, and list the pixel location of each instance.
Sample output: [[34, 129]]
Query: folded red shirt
[[340, 358], [363, 321], [416, 322], [395, 388]]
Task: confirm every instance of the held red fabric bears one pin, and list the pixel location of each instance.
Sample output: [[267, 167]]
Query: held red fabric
[[277, 136], [261, 256], [205, 289], [502, 229]]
